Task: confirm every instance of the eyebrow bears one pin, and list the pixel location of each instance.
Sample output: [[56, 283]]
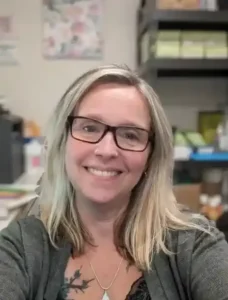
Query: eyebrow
[[126, 123]]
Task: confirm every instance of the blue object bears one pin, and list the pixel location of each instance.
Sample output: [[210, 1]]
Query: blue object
[[216, 156], [27, 140]]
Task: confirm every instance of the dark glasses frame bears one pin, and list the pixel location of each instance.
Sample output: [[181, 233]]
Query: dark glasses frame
[[109, 128]]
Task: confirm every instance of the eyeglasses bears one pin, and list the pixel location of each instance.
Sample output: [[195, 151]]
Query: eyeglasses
[[91, 131]]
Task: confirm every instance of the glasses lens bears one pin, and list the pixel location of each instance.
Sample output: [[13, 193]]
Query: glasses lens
[[87, 129], [131, 138]]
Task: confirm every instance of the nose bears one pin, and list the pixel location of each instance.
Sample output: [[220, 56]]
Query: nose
[[107, 146]]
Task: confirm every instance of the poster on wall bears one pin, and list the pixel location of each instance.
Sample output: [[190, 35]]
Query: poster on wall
[[72, 29], [8, 41]]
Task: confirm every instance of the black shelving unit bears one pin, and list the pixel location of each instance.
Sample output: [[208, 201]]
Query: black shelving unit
[[201, 165], [172, 67], [153, 20], [176, 19]]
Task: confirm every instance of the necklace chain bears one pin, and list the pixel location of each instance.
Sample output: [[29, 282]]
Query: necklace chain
[[114, 278]]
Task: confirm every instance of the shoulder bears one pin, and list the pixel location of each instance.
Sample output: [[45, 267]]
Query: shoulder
[[26, 226], [201, 231], [198, 244], [24, 248], [202, 260], [28, 233], [33, 228]]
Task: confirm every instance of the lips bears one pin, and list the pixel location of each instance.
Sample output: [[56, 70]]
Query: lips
[[105, 173]]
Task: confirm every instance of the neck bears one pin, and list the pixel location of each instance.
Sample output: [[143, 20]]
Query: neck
[[99, 219]]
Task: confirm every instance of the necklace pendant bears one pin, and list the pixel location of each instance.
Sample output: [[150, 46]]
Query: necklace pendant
[[105, 296]]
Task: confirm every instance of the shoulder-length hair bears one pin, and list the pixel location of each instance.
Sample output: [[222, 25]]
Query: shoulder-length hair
[[152, 210]]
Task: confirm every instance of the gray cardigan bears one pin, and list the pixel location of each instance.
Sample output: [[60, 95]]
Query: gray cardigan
[[31, 269]]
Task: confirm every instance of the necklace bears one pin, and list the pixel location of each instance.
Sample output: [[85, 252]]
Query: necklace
[[105, 289]]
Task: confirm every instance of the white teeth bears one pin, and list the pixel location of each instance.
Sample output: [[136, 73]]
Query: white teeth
[[102, 173]]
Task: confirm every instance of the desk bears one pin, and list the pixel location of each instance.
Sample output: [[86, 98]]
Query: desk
[[28, 182]]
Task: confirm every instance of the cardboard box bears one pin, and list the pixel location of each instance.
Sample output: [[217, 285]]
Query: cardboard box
[[189, 195], [216, 45], [168, 43], [192, 44], [178, 4]]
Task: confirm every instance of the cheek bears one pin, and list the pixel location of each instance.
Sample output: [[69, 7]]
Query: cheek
[[138, 163], [76, 152], [72, 155]]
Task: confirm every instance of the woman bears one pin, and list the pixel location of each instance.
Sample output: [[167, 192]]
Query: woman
[[110, 227]]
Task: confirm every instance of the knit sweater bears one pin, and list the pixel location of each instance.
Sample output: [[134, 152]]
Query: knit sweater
[[32, 269]]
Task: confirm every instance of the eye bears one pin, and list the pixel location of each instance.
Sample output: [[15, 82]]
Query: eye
[[90, 128], [130, 135]]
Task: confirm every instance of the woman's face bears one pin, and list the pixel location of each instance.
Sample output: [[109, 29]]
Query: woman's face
[[102, 172]]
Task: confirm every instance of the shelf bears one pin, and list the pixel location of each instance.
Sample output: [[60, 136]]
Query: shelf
[[205, 160], [203, 164], [210, 157], [178, 19], [166, 67]]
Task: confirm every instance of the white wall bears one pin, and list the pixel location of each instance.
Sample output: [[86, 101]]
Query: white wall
[[35, 85]]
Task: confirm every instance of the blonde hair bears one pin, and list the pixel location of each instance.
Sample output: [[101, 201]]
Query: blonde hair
[[152, 211]]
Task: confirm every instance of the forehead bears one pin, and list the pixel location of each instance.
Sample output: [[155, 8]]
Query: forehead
[[116, 104]]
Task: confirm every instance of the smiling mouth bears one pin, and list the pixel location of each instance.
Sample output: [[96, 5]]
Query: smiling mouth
[[103, 173]]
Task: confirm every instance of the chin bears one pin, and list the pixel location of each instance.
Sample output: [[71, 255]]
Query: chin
[[102, 199]]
